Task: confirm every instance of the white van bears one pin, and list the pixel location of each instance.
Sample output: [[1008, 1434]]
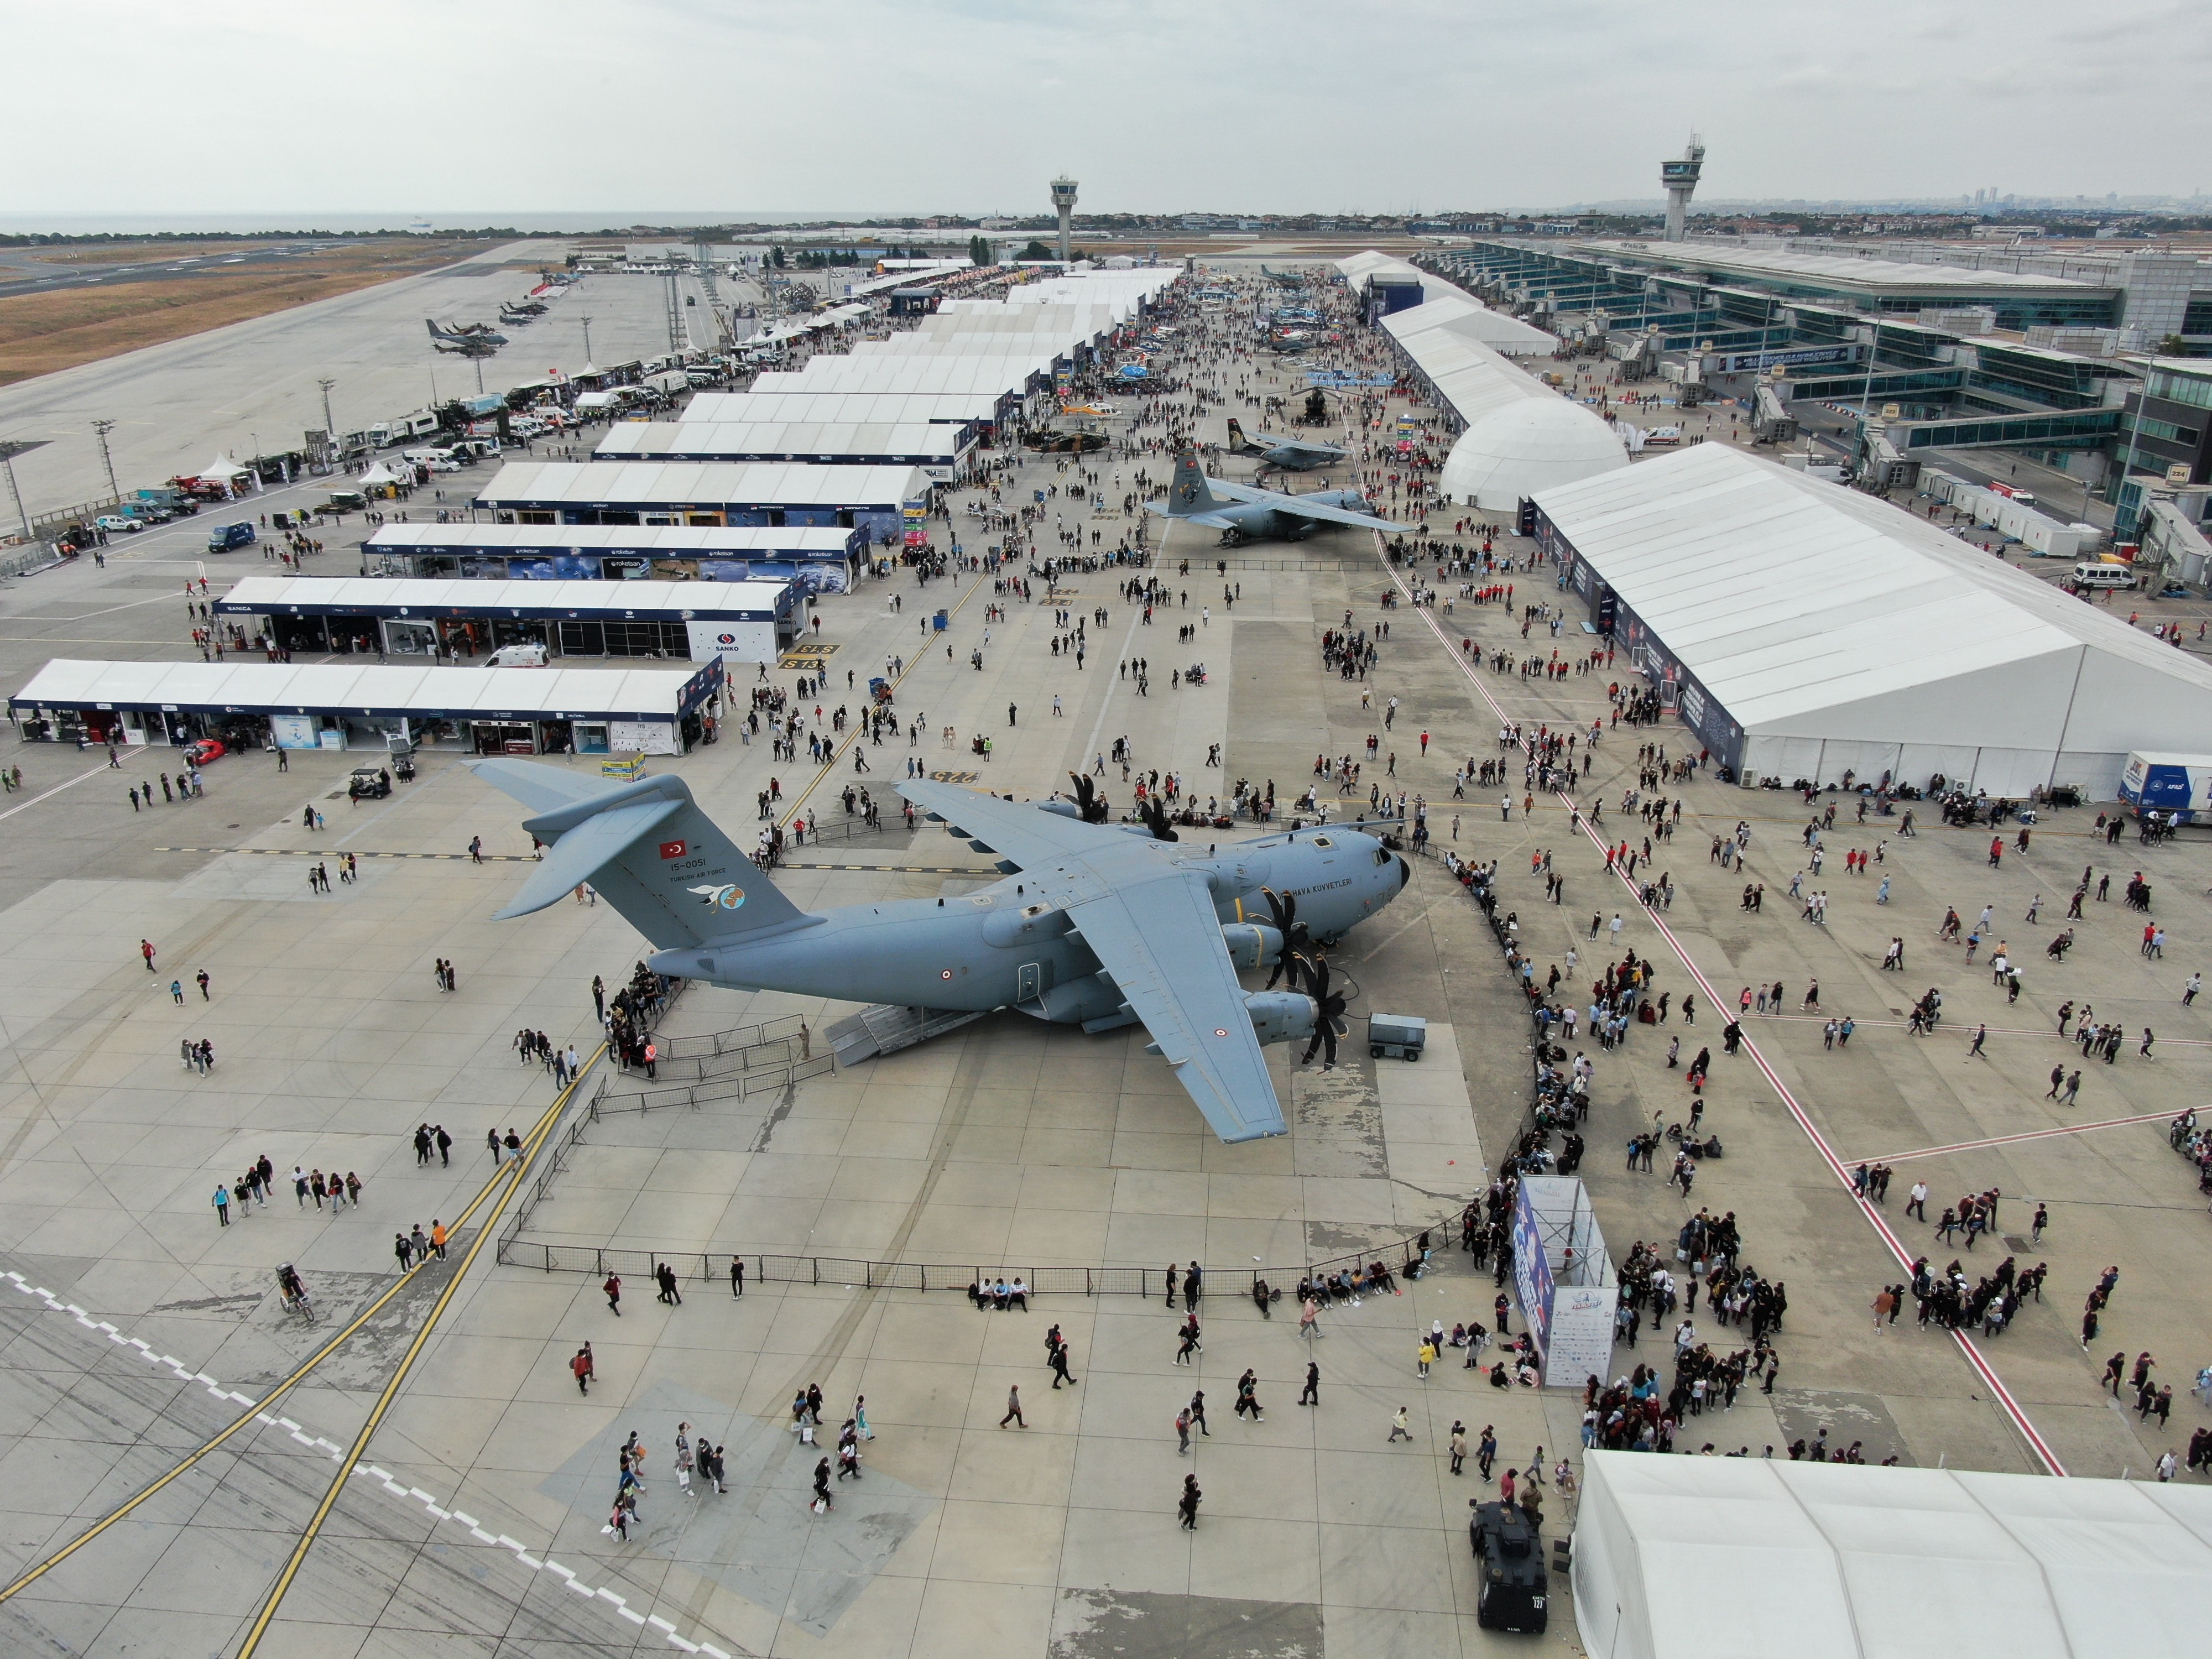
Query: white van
[[2103, 575], [517, 656]]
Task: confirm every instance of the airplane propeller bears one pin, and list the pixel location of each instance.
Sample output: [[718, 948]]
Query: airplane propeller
[[1087, 801], [1329, 1008], [1156, 820], [1294, 960]]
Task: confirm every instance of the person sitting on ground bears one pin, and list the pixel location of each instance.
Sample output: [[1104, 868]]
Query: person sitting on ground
[[1018, 1292]]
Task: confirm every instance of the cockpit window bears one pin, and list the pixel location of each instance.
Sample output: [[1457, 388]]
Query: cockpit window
[[1381, 855]]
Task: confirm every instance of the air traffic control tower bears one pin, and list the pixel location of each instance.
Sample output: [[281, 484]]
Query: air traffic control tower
[[1063, 200], [1680, 178]]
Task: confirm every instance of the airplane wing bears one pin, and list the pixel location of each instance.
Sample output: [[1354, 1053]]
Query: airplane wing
[[1025, 834], [1236, 492], [1160, 941], [1299, 506]]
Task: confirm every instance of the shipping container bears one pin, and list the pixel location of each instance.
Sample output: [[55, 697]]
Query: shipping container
[[2179, 786]]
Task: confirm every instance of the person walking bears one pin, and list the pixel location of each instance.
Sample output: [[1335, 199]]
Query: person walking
[[1248, 1396], [221, 1205], [581, 1368], [1311, 1396], [1013, 1410], [613, 1289], [1198, 1412], [1187, 1505], [1458, 1445], [1398, 1429], [1059, 1363], [1485, 1451], [1182, 1432]]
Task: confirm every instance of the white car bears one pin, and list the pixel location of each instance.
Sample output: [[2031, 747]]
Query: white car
[[116, 524], [442, 465]]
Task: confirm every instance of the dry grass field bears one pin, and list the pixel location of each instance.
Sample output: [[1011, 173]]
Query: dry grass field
[[40, 333]]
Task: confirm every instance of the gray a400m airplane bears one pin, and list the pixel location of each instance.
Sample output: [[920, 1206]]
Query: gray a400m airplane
[[1243, 513], [1284, 454], [1100, 925]]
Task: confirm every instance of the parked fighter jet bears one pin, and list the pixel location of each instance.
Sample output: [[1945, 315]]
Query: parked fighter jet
[[1242, 513], [477, 340], [1098, 924], [1283, 278], [1285, 454], [514, 316]]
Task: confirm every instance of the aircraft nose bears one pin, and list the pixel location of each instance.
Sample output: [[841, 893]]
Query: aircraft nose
[[1405, 874]]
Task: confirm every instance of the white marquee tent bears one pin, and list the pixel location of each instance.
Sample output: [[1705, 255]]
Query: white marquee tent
[[1522, 436], [1462, 315], [1729, 1558], [1810, 629]]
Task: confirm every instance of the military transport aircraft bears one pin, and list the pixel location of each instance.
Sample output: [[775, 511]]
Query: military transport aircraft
[[1095, 924], [1244, 513], [476, 340], [1284, 454]]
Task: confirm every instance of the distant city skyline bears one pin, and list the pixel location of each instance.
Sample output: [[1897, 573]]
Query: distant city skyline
[[623, 222], [248, 111]]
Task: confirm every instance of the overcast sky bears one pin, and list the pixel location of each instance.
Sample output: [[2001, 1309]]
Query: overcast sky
[[639, 106]]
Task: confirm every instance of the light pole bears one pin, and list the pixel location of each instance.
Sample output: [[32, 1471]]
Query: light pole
[[9, 449], [587, 321], [330, 425], [2128, 468], [100, 430]]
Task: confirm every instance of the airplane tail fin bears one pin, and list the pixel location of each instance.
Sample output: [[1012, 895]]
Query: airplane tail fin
[[1238, 441], [649, 849], [432, 327], [1189, 494]]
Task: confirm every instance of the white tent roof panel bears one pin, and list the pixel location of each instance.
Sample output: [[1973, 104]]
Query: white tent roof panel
[[915, 442], [955, 408], [1807, 608], [1834, 1561], [1461, 314], [673, 540], [378, 596], [372, 687], [998, 375], [657, 483]]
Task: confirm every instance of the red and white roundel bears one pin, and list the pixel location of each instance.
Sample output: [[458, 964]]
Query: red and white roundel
[[944, 974], [1219, 1031]]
